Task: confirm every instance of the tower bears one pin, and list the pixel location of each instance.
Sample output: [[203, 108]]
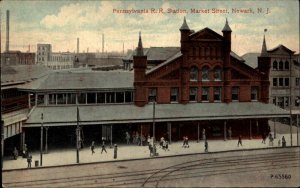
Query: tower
[[139, 66], [184, 69], [264, 65], [227, 65]]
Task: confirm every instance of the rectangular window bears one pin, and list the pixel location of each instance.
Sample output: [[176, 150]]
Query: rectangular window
[[128, 96], [41, 100], [297, 81], [286, 81], [205, 94], [71, 98], [193, 93], [280, 81], [217, 94], [100, 97], [61, 98], [81, 98], [110, 97], [297, 101], [235, 94], [280, 102], [254, 93], [91, 98], [120, 97], [152, 94], [52, 98], [286, 101], [174, 94], [274, 82], [274, 100]]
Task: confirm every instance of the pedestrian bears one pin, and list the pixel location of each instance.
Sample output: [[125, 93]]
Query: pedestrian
[[15, 153], [127, 138], [271, 140], [183, 145], [279, 143], [263, 138], [93, 147], [187, 142], [240, 141], [29, 160], [283, 142], [203, 134], [206, 146], [103, 147], [161, 142], [229, 133], [115, 151], [25, 151], [150, 149]]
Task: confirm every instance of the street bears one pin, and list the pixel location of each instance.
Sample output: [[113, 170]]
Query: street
[[277, 167]]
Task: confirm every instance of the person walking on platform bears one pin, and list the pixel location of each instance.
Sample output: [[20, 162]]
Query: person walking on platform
[[240, 141], [283, 142], [115, 151], [127, 138], [103, 147], [29, 160], [15, 153], [229, 133], [206, 146], [93, 147], [264, 138]]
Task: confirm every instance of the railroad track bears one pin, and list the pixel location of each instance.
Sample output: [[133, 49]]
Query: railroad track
[[157, 177]]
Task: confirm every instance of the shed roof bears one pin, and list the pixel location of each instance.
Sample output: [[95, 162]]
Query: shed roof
[[82, 80], [129, 113]]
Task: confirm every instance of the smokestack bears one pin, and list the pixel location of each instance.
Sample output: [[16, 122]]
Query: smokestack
[[7, 31], [102, 43], [77, 45]]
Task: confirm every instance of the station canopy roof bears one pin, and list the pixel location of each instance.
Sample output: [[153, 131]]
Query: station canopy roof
[[129, 113]]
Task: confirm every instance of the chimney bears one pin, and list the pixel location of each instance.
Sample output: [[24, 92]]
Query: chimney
[[7, 31], [77, 45], [102, 43]]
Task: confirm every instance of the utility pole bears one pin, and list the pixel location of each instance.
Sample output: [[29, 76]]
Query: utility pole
[[41, 150], [77, 137], [290, 101], [153, 121]]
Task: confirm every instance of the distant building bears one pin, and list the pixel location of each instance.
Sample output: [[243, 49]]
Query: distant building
[[284, 76], [17, 58], [54, 60], [43, 53]]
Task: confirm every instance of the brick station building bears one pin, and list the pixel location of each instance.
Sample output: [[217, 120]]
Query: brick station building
[[203, 86]]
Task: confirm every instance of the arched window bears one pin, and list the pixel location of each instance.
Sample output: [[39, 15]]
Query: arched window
[[286, 65], [280, 65], [205, 73], [194, 74], [275, 66], [218, 73]]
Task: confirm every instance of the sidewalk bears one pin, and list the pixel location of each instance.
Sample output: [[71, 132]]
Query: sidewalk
[[68, 156]]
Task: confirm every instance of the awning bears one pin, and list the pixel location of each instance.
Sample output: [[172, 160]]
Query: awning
[[129, 113], [14, 117]]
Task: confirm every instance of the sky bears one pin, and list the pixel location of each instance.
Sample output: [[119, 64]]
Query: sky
[[60, 23]]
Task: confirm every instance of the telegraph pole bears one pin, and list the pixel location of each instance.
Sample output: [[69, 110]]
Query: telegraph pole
[[153, 121], [41, 150], [77, 137]]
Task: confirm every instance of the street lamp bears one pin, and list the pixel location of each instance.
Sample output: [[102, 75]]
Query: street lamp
[[153, 101], [41, 149]]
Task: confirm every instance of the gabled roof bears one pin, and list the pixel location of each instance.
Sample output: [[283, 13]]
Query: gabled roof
[[171, 59], [281, 47], [207, 30], [155, 53], [251, 59]]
